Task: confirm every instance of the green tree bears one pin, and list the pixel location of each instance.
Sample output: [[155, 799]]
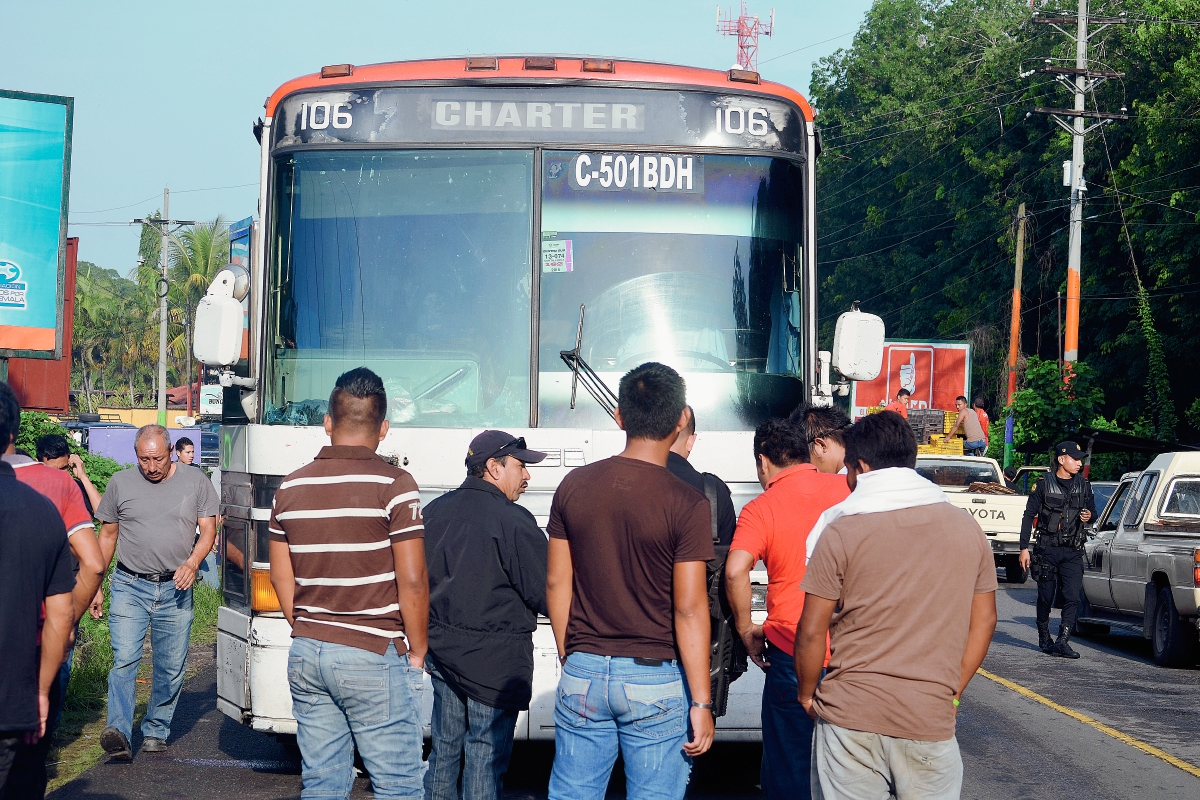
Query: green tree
[[929, 150], [196, 256], [1051, 405]]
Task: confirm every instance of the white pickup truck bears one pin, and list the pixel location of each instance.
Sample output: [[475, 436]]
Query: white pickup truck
[[998, 511], [1143, 561]]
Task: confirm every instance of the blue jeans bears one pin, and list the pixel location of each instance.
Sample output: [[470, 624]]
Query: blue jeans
[[344, 697], [605, 704], [468, 735], [976, 448], [787, 732], [135, 605]]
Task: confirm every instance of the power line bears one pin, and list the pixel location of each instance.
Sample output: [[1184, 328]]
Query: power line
[[808, 46], [155, 197]]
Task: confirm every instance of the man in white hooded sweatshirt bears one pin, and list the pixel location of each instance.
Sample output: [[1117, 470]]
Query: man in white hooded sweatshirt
[[902, 650]]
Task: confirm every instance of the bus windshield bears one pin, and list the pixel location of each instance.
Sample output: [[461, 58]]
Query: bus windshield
[[419, 264], [701, 274], [413, 263]]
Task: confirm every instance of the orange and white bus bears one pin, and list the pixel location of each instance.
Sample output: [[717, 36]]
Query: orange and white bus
[[501, 239]]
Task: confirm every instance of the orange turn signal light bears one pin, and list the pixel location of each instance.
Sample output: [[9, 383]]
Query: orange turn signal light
[[262, 593]]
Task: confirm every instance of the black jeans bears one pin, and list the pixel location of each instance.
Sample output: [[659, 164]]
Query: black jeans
[[787, 732], [1064, 566], [27, 770]]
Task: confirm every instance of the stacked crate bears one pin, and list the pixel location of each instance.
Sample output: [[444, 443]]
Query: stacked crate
[[940, 445], [926, 422]]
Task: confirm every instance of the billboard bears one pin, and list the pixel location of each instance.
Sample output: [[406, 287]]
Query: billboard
[[35, 166], [934, 372]]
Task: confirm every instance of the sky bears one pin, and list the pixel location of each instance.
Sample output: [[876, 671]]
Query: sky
[[166, 92]]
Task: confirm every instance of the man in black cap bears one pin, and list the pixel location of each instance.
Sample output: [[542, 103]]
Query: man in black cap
[[1061, 503], [487, 584]]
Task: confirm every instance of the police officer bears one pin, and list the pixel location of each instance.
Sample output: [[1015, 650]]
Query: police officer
[[1062, 503]]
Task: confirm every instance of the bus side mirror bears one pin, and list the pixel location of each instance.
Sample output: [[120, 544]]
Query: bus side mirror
[[217, 341], [858, 345]]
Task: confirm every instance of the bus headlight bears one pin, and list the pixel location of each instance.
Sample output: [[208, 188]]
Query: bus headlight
[[262, 593]]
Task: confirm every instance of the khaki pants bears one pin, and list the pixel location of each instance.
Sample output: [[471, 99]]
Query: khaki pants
[[854, 765]]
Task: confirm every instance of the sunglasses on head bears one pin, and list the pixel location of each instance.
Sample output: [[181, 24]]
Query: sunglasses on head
[[515, 444]]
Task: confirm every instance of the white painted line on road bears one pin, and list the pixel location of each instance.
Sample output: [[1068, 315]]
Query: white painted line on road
[[1092, 723], [233, 762]]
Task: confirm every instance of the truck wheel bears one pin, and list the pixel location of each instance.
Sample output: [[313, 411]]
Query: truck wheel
[[1174, 642], [1013, 572]]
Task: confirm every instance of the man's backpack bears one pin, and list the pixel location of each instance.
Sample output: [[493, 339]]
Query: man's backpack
[[727, 659]]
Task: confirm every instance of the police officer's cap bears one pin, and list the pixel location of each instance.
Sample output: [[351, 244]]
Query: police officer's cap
[[1069, 449]]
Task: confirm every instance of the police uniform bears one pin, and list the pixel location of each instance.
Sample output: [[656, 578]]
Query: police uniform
[[1057, 558]]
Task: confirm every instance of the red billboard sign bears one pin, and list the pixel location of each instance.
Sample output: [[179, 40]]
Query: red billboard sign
[[933, 372]]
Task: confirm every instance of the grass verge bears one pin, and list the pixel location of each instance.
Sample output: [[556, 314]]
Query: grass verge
[[77, 739]]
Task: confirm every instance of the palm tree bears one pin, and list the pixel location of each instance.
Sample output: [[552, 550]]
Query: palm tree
[[196, 256]]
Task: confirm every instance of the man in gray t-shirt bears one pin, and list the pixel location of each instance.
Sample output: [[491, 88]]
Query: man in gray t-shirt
[[151, 514]]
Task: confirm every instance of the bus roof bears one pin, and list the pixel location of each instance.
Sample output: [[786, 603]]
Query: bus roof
[[515, 70]]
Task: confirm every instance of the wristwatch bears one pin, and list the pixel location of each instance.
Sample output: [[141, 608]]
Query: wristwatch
[[696, 704]]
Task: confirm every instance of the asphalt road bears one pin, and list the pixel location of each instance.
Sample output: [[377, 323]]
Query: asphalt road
[[1012, 746]]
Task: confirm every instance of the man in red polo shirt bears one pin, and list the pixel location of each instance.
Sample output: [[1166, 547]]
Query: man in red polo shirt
[[774, 528]]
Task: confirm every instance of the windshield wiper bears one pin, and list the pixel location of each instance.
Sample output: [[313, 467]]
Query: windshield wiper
[[442, 385], [581, 371]]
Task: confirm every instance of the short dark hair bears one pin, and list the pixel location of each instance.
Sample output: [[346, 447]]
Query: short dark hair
[[52, 445], [960, 397], [820, 422], [881, 440], [690, 428], [651, 398], [10, 416], [782, 442], [978, 401], [358, 384], [184, 442], [904, 392], [479, 469]]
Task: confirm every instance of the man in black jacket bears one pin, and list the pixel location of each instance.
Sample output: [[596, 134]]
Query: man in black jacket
[[1061, 503], [678, 465], [487, 584]]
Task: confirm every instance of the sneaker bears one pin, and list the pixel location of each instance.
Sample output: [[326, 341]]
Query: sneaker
[[113, 742], [153, 744]]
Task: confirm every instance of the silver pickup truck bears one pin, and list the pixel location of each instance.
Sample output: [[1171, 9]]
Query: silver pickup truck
[[1143, 560]]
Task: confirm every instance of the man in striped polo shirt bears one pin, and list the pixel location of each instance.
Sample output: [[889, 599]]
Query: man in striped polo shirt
[[348, 564]]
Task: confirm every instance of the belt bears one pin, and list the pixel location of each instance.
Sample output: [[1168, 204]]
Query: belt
[[153, 577]]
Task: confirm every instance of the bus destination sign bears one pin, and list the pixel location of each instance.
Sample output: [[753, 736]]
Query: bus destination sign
[[551, 115]]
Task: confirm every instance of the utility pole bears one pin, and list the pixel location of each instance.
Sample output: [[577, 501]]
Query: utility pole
[[1014, 335], [163, 287], [1079, 81], [164, 226]]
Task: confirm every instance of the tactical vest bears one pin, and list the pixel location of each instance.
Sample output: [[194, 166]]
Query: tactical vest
[[1058, 519]]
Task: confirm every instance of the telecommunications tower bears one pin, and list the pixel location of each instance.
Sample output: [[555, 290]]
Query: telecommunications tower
[[747, 29]]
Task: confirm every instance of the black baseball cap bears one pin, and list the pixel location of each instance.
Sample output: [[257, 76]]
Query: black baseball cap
[[1069, 449], [496, 444]]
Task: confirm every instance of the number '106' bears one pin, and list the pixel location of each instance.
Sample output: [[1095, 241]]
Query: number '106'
[[318, 116]]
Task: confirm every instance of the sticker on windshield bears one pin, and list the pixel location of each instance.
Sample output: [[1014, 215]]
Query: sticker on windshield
[[556, 255], [615, 172]]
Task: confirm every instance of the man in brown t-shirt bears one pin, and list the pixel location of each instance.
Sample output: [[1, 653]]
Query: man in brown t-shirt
[[628, 602], [902, 652], [348, 565]]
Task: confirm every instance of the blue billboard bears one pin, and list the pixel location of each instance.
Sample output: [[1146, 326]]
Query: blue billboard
[[35, 165]]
